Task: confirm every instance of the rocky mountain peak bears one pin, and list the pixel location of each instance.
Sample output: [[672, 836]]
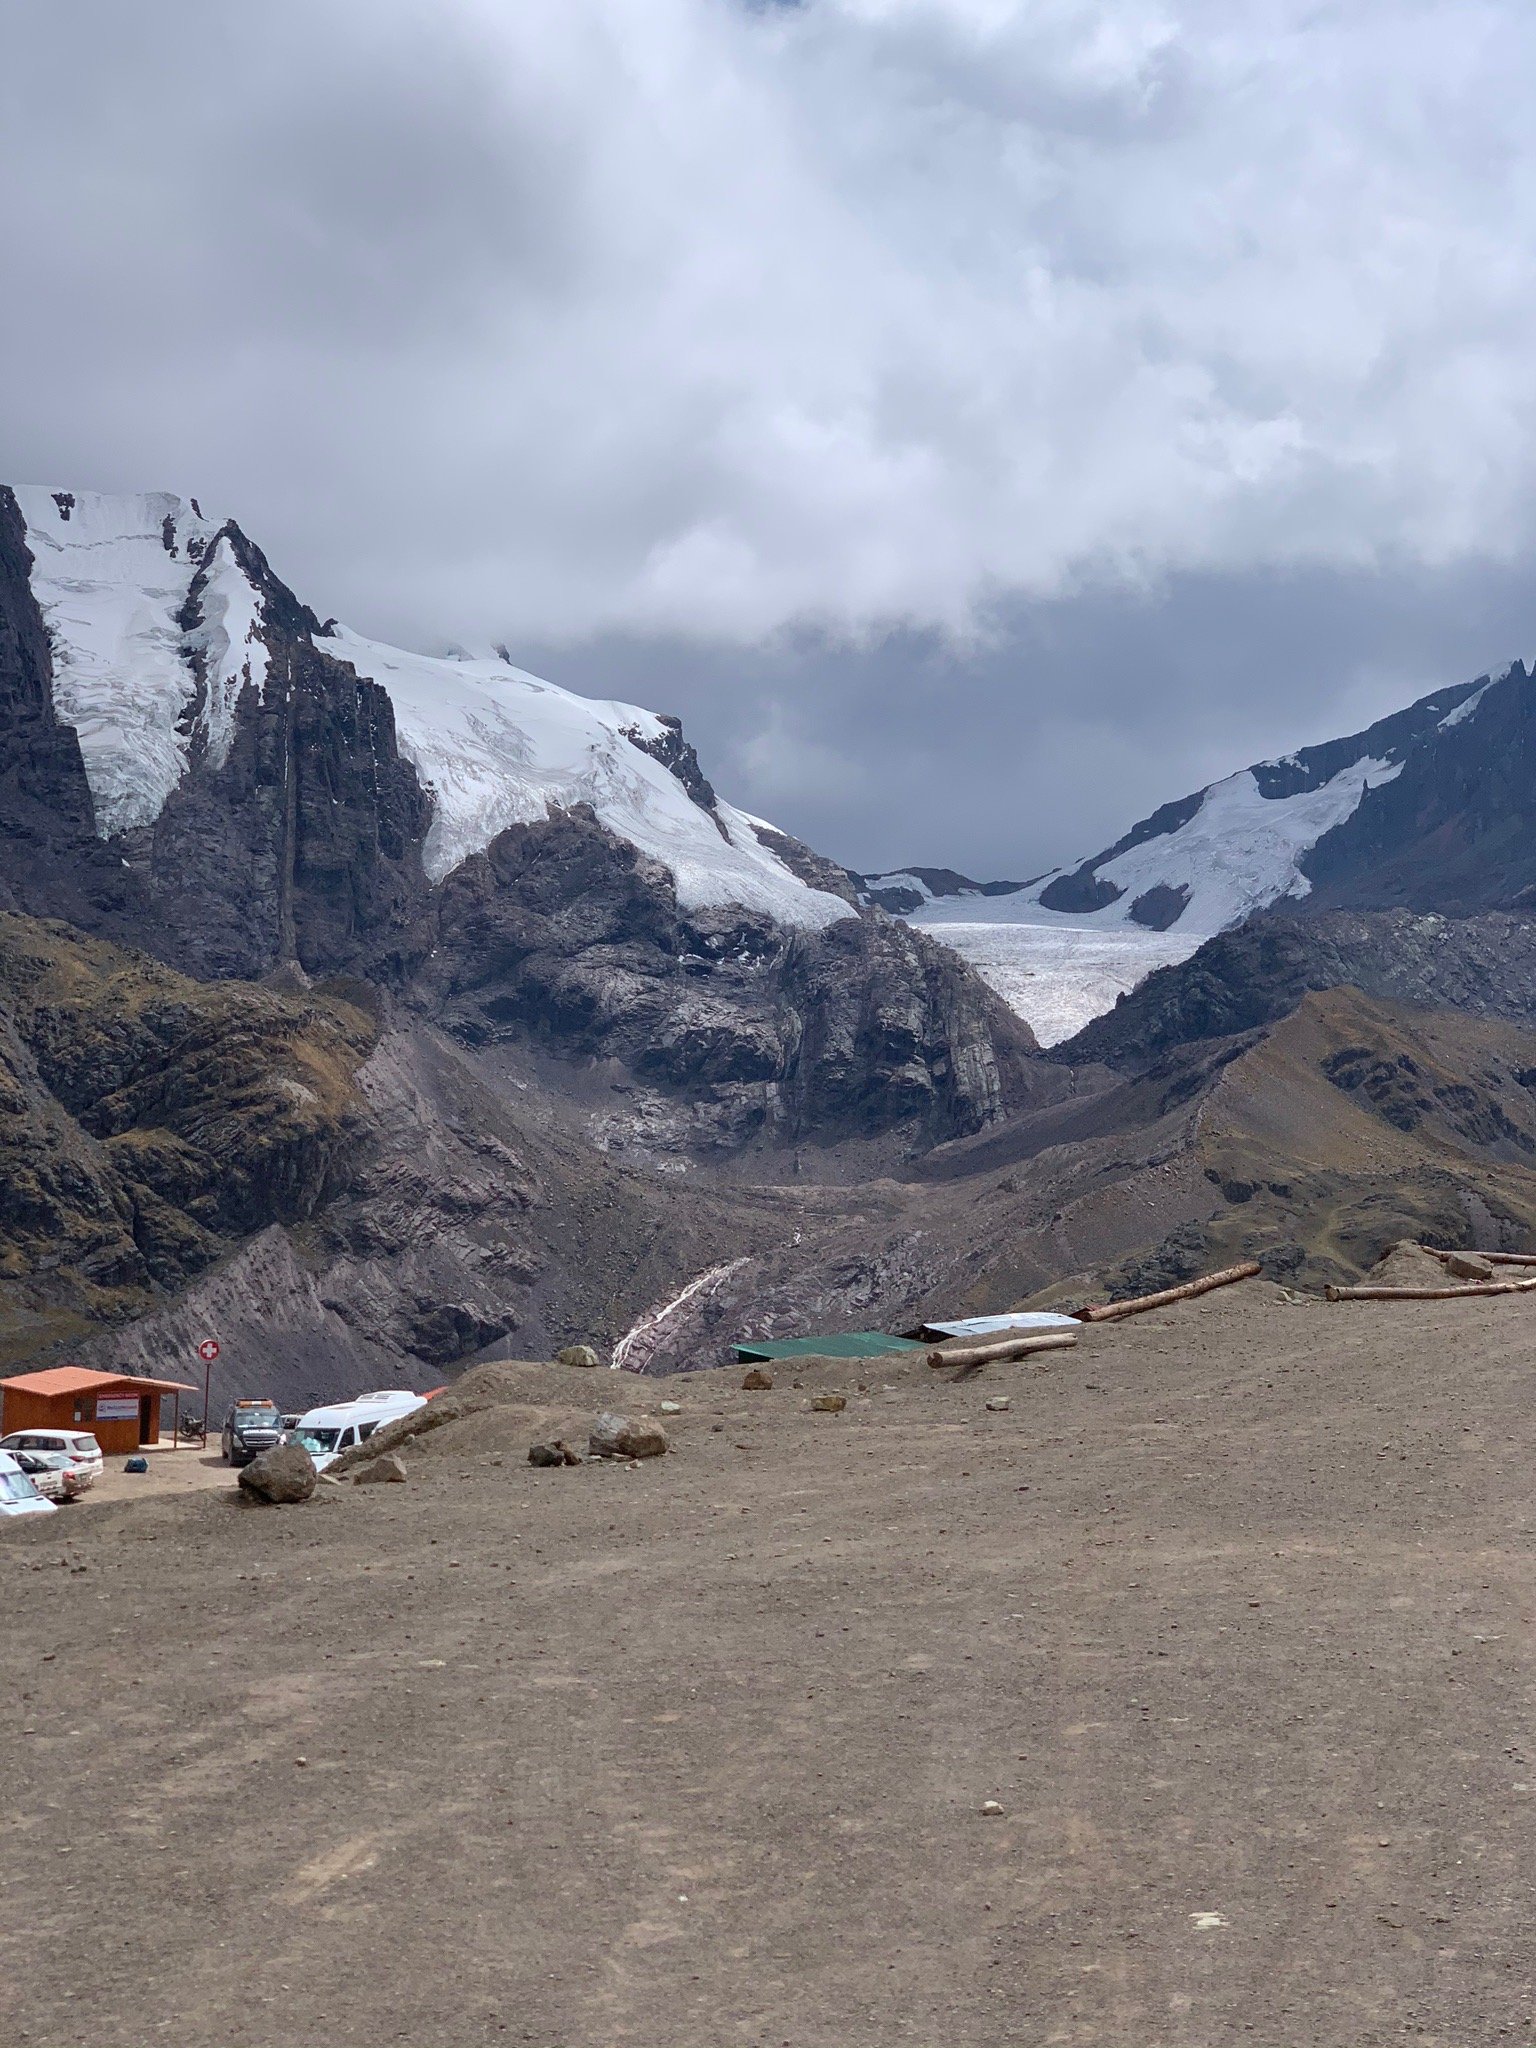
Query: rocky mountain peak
[[251, 790]]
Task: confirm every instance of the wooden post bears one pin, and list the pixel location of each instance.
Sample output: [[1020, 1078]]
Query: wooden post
[[1493, 1258], [1009, 1347], [1479, 1287], [1112, 1311]]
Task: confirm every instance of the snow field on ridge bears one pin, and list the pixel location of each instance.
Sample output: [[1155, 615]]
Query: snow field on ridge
[[499, 747], [111, 594], [495, 745], [1239, 852]]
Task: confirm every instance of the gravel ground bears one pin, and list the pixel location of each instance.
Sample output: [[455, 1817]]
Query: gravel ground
[[1229, 1612]]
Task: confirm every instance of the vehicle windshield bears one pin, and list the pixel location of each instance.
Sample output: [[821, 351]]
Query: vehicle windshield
[[17, 1486], [317, 1441], [254, 1418]]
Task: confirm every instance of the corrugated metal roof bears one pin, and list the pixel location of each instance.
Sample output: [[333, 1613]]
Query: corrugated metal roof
[[74, 1379], [847, 1344], [990, 1326]]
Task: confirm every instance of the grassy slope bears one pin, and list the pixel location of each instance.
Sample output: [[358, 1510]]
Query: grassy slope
[[1354, 1123], [148, 1122]]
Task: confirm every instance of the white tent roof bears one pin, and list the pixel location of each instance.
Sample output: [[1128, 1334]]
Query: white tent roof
[[989, 1326]]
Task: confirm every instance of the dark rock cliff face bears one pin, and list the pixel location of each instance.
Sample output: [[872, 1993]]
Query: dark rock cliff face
[[1248, 978], [1455, 831], [1076, 894], [678, 757], [305, 845], [50, 858], [566, 936], [812, 868], [891, 1032], [1159, 908]]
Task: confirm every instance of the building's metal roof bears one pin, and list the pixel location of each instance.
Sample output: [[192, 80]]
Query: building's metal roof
[[997, 1326], [847, 1344], [74, 1379]]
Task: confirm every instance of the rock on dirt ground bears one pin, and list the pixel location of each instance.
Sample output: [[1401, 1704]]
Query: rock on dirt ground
[[627, 1436], [389, 1469], [553, 1452], [1469, 1266], [1229, 1614], [282, 1476]]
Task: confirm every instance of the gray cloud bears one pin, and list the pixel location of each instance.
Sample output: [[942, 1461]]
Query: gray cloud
[[1034, 407], [1082, 714]]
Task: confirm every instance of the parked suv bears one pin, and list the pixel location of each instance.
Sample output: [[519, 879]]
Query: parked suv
[[250, 1427], [77, 1445]]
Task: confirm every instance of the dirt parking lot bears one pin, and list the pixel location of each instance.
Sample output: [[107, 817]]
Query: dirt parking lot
[[1229, 1613], [187, 1469]]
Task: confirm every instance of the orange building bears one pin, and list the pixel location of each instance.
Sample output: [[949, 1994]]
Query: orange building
[[121, 1411]]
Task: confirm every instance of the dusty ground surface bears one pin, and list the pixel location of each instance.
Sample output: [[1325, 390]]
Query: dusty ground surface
[[186, 1469], [1231, 1613]]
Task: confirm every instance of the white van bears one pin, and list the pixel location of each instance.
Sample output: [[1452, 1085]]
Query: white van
[[326, 1432], [18, 1496]]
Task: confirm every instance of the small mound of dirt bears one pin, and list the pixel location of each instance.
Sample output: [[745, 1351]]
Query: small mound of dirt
[[506, 1429], [1406, 1264], [483, 1386]]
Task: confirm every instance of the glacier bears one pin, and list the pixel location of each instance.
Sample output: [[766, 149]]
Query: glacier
[[1056, 972], [113, 576]]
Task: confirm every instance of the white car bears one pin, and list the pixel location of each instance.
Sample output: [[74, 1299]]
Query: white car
[[18, 1496], [51, 1473], [81, 1449], [326, 1432]]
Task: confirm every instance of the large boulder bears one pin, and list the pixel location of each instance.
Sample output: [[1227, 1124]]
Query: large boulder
[[577, 1354], [282, 1476], [627, 1436]]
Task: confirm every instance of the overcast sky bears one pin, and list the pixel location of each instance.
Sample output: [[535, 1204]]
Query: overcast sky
[[981, 419]]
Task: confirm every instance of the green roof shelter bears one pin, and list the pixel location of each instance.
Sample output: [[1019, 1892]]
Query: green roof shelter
[[849, 1344]]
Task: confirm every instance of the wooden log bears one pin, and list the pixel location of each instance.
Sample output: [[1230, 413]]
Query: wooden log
[[1493, 1258], [1112, 1311], [1429, 1293], [1021, 1346]]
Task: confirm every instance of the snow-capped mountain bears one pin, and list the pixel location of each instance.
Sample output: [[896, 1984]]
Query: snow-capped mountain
[[193, 764], [159, 619], [1430, 807], [1211, 859], [907, 889]]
